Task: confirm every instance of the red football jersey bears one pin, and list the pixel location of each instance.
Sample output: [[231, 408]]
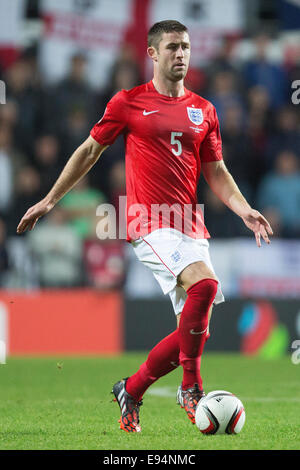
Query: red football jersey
[[166, 140]]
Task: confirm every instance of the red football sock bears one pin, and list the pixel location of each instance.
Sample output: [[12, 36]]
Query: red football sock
[[193, 329], [162, 359]]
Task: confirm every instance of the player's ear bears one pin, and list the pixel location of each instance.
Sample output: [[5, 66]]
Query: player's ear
[[152, 53]]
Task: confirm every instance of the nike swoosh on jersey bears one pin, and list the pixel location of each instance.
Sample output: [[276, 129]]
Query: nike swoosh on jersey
[[145, 113], [197, 332]]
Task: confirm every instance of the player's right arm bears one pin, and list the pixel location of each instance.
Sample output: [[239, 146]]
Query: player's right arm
[[103, 134], [78, 165]]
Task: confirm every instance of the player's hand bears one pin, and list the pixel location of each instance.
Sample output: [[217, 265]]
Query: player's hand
[[256, 222], [33, 214]]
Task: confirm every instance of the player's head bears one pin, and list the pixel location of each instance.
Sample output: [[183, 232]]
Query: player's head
[[169, 48]]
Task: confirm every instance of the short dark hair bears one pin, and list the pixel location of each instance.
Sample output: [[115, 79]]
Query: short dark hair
[[167, 26]]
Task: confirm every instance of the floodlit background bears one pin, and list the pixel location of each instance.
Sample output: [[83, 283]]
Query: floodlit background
[[61, 61]]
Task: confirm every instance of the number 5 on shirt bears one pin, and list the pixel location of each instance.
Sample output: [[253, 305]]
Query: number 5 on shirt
[[177, 152]]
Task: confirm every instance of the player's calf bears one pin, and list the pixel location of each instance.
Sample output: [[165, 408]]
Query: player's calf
[[193, 329]]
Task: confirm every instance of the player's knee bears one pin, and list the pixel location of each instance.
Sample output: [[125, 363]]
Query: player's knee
[[203, 292], [200, 297], [194, 273], [209, 285]]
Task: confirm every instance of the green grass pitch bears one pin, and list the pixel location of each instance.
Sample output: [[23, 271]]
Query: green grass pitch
[[65, 403]]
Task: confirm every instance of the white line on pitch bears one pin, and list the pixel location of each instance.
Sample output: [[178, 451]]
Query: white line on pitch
[[171, 392]]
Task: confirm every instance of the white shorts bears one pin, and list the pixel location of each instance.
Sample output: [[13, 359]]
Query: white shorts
[[167, 252]]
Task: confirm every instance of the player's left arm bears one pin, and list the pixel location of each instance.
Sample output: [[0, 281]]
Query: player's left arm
[[223, 185]]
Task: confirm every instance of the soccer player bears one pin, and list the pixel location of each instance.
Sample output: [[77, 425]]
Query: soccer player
[[171, 134]]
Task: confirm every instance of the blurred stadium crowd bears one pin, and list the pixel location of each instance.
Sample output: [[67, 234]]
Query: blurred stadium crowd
[[41, 125]]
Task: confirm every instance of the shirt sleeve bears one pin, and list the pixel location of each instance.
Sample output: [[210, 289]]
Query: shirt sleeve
[[211, 147], [113, 121]]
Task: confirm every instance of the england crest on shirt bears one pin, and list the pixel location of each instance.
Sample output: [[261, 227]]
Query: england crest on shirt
[[195, 115]]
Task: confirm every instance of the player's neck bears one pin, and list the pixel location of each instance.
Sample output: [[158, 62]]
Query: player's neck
[[168, 88]]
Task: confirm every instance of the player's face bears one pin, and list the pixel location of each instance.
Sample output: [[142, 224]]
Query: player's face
[[173, 55]]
